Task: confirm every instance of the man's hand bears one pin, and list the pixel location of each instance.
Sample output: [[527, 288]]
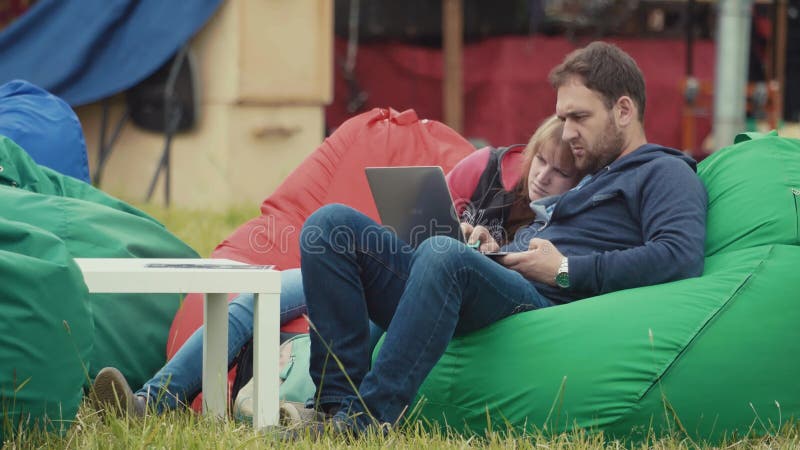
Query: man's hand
[[539, 263], [481, 235]]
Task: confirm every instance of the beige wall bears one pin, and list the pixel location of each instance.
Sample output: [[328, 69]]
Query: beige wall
[[265, 70]]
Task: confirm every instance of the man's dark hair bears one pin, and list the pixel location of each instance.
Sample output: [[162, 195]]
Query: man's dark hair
[[606, 69]]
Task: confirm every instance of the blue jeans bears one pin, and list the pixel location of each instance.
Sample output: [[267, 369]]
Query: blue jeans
[[181, 379], [354, 270]]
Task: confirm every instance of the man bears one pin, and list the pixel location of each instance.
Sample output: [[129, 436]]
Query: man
[[637, 219]]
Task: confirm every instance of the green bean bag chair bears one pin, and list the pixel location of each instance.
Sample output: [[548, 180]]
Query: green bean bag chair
[[130, 330], [46, 330], [706, 357]]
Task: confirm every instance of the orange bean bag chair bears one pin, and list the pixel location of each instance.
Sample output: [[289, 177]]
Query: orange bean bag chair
[[333, 173]]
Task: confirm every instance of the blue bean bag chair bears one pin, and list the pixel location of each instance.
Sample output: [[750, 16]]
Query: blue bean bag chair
[[45, 126], [706, 357]]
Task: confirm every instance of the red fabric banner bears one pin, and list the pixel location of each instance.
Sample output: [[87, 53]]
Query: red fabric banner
[[505, 83]]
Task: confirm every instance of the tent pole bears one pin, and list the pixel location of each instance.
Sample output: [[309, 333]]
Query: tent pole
[[452, 43]]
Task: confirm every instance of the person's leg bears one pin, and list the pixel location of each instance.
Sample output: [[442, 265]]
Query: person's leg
[[293, 303], [451, 289], [345, 255], [293, 300], [181, 378]]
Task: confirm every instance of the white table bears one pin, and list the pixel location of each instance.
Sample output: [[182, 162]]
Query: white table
[[132, 275]]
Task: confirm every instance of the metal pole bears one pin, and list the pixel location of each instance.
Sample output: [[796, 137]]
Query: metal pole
[[453, 91], [733, 45], [690, 39]]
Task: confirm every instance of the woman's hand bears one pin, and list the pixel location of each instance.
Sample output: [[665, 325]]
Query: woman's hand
[[481, 236]]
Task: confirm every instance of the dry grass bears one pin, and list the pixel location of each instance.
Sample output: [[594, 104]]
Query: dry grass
[[184, 429], [202, 230]]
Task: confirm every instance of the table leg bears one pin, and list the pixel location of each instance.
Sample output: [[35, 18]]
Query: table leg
[[266, 340], [215, 355]]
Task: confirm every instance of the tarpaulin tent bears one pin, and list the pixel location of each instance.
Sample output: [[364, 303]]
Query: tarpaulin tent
[[86, 50]]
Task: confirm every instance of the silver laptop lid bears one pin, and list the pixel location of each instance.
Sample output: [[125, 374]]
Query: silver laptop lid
[[414, 202]]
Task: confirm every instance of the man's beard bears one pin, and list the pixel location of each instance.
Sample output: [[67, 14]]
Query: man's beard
[[607, 148]]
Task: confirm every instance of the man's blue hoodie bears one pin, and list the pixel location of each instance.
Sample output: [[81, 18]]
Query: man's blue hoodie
[[639, 221]]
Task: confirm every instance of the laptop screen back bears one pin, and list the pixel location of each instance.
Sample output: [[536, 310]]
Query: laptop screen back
[[414, 202]]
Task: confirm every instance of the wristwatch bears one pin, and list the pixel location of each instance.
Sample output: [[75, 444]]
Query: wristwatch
[[562, 277]]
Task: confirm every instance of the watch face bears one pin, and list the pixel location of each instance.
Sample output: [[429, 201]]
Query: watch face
[[562, 279]]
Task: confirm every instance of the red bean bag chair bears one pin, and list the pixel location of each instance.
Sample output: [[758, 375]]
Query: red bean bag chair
[[333, 173]]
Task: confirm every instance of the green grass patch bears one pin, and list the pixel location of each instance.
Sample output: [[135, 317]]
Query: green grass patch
[[184, 429], [203, 230]]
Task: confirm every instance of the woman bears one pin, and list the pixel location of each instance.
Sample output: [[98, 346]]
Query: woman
[[491, 213], [494, 187]]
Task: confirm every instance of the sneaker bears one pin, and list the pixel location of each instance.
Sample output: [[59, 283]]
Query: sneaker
[[111, 393], [313, 429], [294, 414]]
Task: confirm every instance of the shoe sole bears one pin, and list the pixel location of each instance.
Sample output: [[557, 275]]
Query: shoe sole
[[112, 393]]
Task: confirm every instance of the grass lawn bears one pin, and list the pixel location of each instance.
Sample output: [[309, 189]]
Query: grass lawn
[[183, 429], [188, 430], [202, 230]]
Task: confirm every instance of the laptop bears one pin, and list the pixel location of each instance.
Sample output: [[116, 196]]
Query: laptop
[[415, 203]]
